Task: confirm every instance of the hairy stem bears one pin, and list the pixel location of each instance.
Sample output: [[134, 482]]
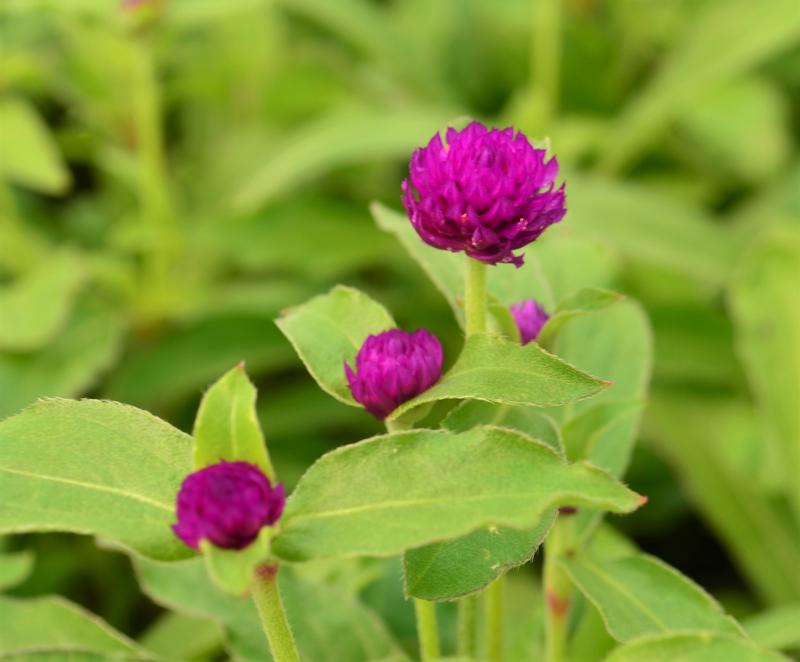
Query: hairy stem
[[475, 296], [546, 56], [273, 617], [494, 620], [467, 626], [557, 589], [427, 630]]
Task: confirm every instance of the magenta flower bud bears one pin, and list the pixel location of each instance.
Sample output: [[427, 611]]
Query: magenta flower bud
[[530, 318], [393, 367], [484, 192], [227, 504]]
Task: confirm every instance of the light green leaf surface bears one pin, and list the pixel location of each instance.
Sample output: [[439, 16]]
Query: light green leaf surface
[[336, 628], [724, 39], [28, 154], [227, 427], [693, 647], [68, 365], [640, 595], [399, 491], [343, 317], [531, 421], [453, 568], [94, 467], [53, 622], [176, 636], [501, 371], [14, 568], [777, 628], [581, 303], [767, 314], [35, 307]]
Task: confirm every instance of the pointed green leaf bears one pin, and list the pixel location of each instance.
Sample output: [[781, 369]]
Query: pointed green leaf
[[640, 595], [453, 568], [94, 467], [581, 303], [399, 491], [52, 622], [776, 627], [227, 427], [693, 647], [497, 370], [328, 330]]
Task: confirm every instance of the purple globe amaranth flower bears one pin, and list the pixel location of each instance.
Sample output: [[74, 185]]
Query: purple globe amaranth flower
[[227, 504], [530, 318], [393, 367], [484, 192]]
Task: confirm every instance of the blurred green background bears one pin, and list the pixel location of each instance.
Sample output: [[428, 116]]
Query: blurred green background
[[174, 174]]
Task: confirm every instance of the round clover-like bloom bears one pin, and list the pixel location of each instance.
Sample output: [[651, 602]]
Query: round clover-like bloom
[[227, 504], [484, 192], [392, 367], [530, 318]]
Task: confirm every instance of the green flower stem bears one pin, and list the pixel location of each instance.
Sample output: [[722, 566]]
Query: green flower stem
[[475, 296], [427, 630], [427, 627], [557, 589], [494, 620], [273, 617], [467, 626]]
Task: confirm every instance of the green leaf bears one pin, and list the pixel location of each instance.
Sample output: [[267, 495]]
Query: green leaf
[[454, 568], [227, 427], [68, 365], [344, 136], [97, 468], [35, 307], [723, 40], [775, 628], [497, 370], [180, 637], [53, 622], [693, 647], [531, 421], [640, 595], [232, 569], [329, 330], [581, 303], [767, 314], [28, 154], [399, 491], [14, 568], [336, 628]]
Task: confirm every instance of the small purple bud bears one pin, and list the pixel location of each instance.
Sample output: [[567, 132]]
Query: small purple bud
[[227, 504], [484, 192], [393, 367], [530, 318]]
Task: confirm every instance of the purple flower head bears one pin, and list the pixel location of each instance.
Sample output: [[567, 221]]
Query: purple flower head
[[392, 367], [484, 192], [530, 318], [227, 504]]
